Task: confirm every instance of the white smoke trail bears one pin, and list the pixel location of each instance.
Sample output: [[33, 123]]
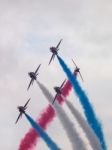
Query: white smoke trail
[[76, 141], [85, 126]]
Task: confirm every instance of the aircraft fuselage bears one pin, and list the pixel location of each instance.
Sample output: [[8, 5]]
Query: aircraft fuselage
[[77, 70], [53, 50], [57, 90], [32, 75], [21, 109]]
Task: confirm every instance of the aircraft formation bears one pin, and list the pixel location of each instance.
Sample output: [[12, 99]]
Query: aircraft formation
[[97, 139], [33, 76]]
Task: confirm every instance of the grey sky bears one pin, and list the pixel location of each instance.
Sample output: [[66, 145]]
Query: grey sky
[[27, 30]]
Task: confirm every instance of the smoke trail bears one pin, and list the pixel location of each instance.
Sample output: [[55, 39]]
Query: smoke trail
[[73, 136], [46, 117], [88, 110], [85, 126], [49, 142], [30, 139]]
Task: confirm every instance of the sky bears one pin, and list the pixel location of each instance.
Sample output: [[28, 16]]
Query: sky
[[27, 30]]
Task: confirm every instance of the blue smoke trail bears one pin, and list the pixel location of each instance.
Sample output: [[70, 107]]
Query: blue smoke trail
[[88, 110], [93, 139], [43, 134]]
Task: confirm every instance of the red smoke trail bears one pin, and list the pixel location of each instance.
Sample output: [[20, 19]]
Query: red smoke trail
[[30, 139]]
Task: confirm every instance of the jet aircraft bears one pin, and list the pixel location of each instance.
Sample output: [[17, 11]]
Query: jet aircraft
[[77, 70], [33, 76], [58, 91], [54, 50], [22, 110]]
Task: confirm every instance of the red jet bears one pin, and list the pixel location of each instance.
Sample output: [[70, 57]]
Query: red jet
[[33, 76], [77, 70], [58, 90], [54, 50], [22, 110]]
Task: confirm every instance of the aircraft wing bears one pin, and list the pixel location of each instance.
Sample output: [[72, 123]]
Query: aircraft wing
[[30, 84], [52, 57], [19, 117], [74, 62], [37, 69], [81, 76], [54, 98], [58, 44], [27, 102], [62, 84]]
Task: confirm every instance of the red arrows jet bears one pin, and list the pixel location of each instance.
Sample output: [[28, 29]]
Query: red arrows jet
[[33, 76], [22, 110], [77, 70], [58, 91], [54, 50]]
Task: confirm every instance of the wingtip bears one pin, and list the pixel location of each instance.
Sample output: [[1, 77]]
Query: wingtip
[[29, 99], [82, 80], [81, 76], [49, 63], [40, 65], [73, 61], [16, 122]]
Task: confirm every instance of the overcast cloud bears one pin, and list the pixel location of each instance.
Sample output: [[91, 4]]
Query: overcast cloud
[[27, 29]]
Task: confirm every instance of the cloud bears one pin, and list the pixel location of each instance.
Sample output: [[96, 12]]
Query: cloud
[[29, 28]]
